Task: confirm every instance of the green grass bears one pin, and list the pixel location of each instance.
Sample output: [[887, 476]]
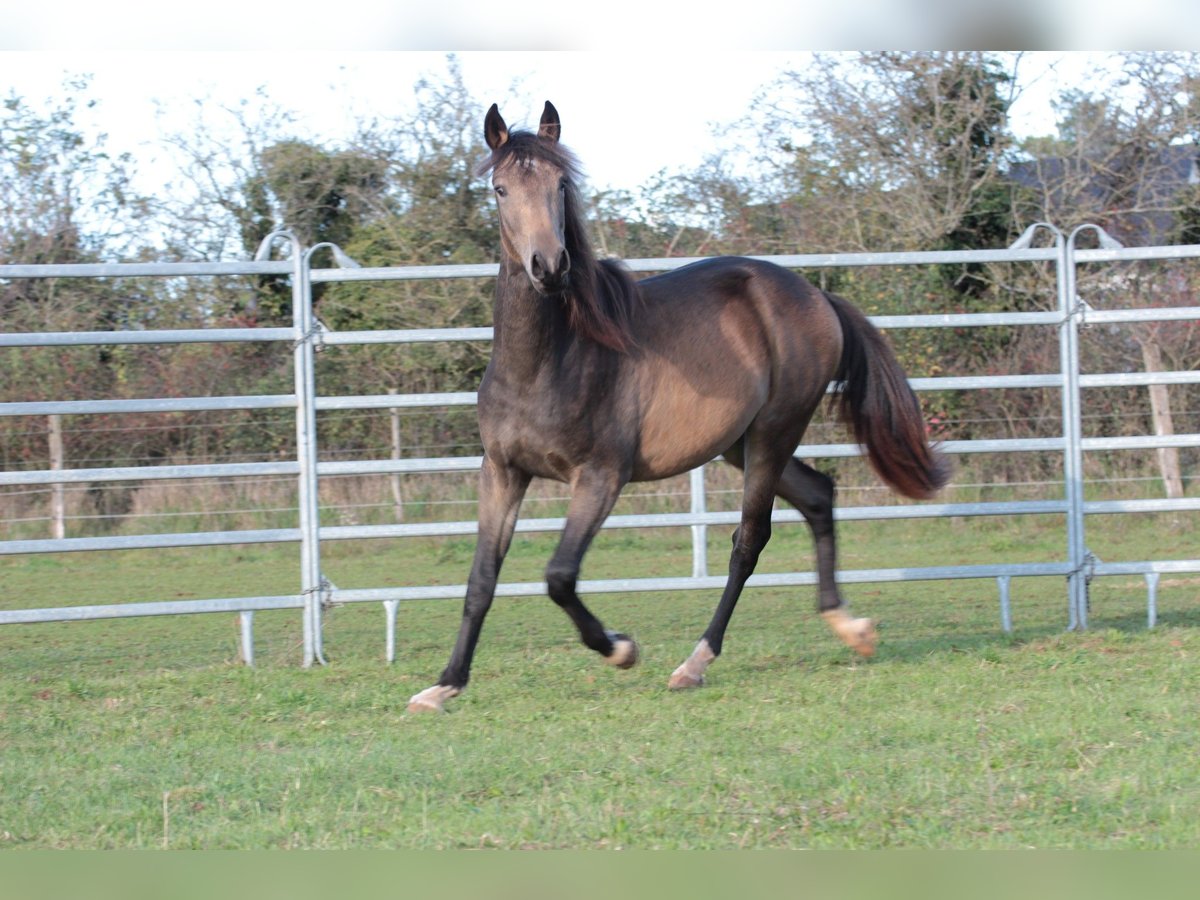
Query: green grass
[[148, 733]]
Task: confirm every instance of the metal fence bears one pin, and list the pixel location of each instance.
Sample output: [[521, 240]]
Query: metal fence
[[1077, 565]]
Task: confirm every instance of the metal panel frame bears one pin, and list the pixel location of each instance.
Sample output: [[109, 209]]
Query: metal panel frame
[[307, 335]]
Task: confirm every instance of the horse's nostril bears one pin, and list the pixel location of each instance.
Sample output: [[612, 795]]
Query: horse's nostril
[[564, 262], [538, 265]]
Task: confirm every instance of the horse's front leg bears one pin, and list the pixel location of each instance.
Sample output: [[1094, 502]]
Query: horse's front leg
[[593, 495], [501, 490]]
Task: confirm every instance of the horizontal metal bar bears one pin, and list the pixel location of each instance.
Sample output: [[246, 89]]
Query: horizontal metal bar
[[535, 525], [988, 382], [967, 320], [249, 470], [1164, 566], [151, 541], [406, 273], [469, 398], [1138, 379], [428, 335], [1132, 254], [941, 320], [147, 270], [1147, 314], [149, 473], [161, 405], [835, 260], [162, 608], [998, 445], [163, 336], [398, 401], [436, 465], [682, 520], [423, 466], [1141, 442], [408, 336], [490, 270], [519, 589], [712, 582], [1164, 504]]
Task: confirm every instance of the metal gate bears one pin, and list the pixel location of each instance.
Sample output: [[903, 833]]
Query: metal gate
[[1077, 565]]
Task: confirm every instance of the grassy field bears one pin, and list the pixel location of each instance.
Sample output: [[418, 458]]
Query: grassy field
[[148, 733]]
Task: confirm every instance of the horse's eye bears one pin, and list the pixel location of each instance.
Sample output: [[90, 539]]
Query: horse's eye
[[562, 187], [500, 192]]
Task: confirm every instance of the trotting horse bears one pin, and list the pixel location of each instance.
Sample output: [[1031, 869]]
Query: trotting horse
[[597, 380]]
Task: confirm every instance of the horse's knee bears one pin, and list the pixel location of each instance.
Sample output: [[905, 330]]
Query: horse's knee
[[751, 537], [748, 543]]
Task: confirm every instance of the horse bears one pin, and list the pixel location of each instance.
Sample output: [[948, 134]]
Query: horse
[[597, 380]]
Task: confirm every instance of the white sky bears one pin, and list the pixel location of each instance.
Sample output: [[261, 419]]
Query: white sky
[[671, 70], [145, 94]]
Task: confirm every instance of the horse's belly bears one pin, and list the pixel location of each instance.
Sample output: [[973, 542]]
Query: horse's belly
[[682, 429]]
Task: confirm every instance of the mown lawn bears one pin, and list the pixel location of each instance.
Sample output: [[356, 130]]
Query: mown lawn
[[148, 733]]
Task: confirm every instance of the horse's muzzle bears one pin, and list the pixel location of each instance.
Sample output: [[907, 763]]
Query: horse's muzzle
[[549, 278]]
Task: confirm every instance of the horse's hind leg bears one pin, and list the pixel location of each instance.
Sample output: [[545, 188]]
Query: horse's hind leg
[[811, 492], [593, 495]]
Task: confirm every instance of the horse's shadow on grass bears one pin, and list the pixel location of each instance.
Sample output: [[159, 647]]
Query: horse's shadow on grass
[[897, 647]]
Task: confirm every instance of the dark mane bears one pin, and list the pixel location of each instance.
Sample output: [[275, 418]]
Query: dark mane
[[601, 295]]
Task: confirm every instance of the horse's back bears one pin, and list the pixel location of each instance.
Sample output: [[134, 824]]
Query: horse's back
[[751, 313], [720, 342]]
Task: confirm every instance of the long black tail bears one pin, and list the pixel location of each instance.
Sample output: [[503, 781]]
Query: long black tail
[[881, 410]]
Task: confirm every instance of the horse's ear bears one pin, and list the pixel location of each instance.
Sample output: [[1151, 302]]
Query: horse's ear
[[495, 132], [550, 128]]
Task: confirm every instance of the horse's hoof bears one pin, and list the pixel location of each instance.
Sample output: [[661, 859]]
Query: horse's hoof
[[684, 681], [857, 634], [432, 699], [863, 637], [625, 653], [691, 673]]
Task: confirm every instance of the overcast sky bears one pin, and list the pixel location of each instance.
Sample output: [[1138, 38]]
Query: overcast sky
[[674, 72], [675, 101]]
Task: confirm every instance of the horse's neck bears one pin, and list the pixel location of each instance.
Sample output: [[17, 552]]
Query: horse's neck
[[530, 329]]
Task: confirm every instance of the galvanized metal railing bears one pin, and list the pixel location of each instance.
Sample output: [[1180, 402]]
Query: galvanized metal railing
[[306, 335]]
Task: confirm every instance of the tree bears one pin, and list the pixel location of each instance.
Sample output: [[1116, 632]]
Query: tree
[[431, 208], [1131, 166], [904, 144], [63, 199]]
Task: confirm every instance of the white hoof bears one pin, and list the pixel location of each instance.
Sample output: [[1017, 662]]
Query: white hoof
[[691, 673], [683, 680], [857, 634], [432, 699], [624, 652]]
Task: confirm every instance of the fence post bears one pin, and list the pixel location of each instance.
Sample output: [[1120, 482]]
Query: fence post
[[1072, 432], [699, 532], [397, 489], [315, 587], [1073, 309], [1068, 352], [58, 504], [304, 384]]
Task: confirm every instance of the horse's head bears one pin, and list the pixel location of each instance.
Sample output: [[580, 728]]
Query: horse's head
[[531, 176]]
